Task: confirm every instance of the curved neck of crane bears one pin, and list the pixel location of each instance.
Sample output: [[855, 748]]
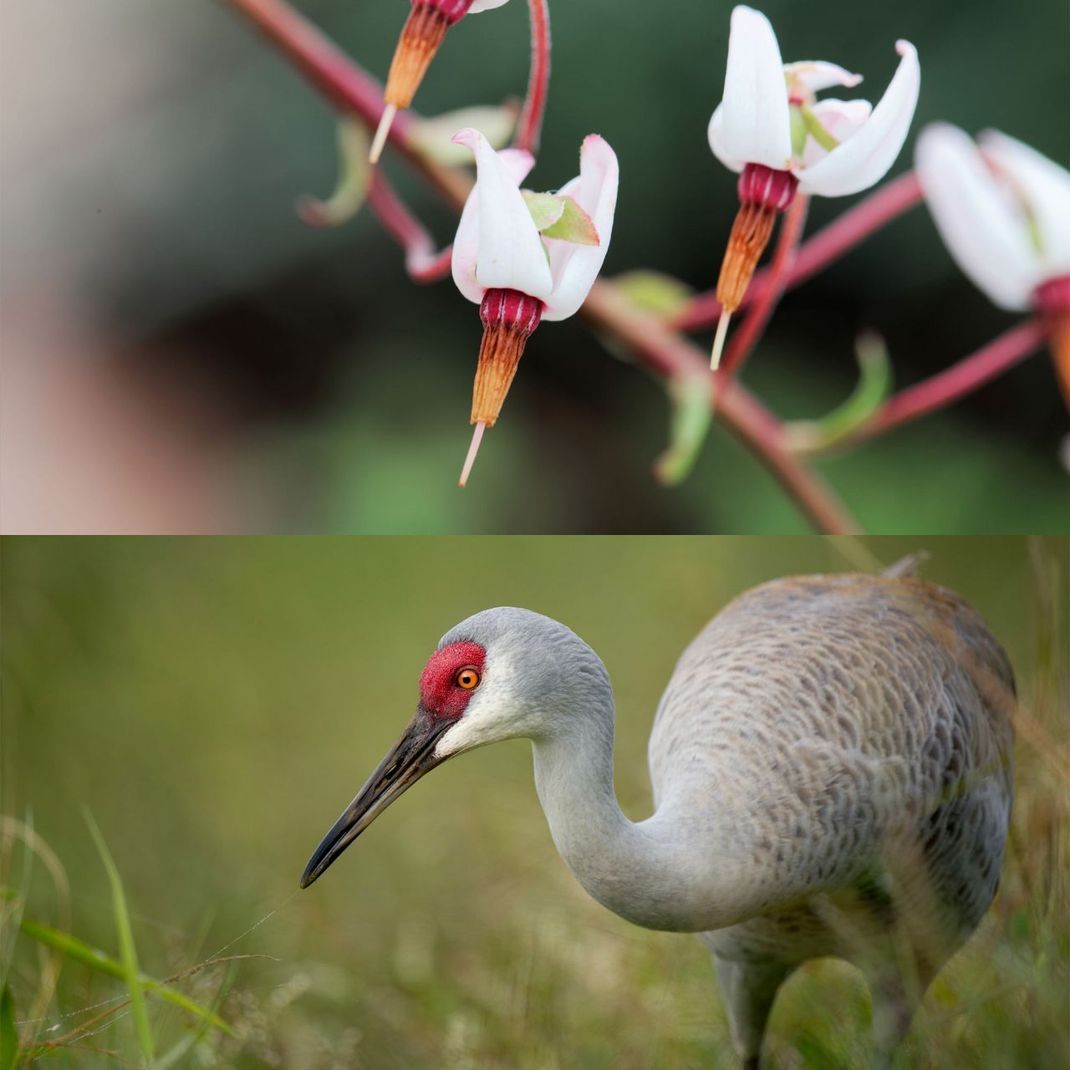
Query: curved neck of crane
[[647, 871]]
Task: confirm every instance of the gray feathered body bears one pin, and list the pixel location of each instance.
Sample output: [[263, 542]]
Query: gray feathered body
[[855, 733]]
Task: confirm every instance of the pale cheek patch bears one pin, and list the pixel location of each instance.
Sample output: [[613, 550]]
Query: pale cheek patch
[[491, 710]]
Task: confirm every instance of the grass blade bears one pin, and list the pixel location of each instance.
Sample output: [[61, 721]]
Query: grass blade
[[9, 1036], [89, 956], [127, 951], [187, 1043]]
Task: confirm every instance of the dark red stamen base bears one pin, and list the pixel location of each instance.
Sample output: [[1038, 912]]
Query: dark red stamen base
[[509, 318], [452, 10], [763, 194]]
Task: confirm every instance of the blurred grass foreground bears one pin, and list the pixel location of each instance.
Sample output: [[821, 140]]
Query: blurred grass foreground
[[213, 705]]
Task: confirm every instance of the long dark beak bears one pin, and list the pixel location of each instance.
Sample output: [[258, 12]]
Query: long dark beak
[[408, 760]]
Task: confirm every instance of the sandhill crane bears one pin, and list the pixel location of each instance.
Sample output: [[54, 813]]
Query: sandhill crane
[[831, 764]]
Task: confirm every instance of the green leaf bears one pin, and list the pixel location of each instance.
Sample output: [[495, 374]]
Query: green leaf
[[9, 1036], [97, 960], [874, 385], [354, 177], [127, 950], [691, 418], [545, 208], [574, 225], [654, 292], [433, 138]]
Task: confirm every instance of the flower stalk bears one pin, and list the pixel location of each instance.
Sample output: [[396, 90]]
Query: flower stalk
[[654, 344], [529, 127], [767, 298], [969, 374], [883, 206]]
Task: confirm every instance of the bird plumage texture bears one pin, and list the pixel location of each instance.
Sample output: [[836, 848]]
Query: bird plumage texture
[[831, 765], [856, 731]]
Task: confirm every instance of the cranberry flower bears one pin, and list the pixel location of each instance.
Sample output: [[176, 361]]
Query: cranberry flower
[[524, 257], [1003, 211], [771, 128], [421, 36]]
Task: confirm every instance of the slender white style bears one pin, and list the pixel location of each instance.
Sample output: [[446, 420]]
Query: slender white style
[[831, 764], [421, 36], [1002, 209]]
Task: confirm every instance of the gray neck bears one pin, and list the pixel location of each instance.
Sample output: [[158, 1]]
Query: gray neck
[[647, 872]]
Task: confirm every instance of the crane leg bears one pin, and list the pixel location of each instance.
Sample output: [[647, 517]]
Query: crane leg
[[894, 1006], [748, 989]]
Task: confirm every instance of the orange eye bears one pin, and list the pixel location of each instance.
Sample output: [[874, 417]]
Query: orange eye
[[468, 679]]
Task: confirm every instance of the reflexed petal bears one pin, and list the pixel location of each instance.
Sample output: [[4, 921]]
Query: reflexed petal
[[1045, 187], [841, 118], [755, 126], [980, 226], [484, 5], [575, 267], [496, 223], [866, 157], [815, 75], [715, 135]]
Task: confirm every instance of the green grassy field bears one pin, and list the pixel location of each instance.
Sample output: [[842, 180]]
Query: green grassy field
[[213, 704]]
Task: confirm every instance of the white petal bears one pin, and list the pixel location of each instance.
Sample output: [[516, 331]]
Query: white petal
[[816, 74], [865, 158], [575, 267], [484, 5], [509, 253], [1044, 185], [466, 243], [841, 118], [755, 125], [715, 135], [981, 228]]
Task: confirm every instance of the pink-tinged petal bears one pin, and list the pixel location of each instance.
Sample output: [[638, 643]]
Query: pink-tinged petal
[[714, 134], [864, 160], [1045, 188], [510, 254], [755, 125], [841, 118], [981, 226], [465, 256], [485, 5], [575, 267], [815, 74]]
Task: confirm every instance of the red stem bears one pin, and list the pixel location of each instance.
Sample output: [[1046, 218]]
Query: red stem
[[970, 373], [421, 261], [529, 126], [855, 225], [653, 342], [763, 306]]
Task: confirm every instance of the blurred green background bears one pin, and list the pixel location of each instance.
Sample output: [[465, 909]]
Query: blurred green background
[[216, 703], [185, 355]]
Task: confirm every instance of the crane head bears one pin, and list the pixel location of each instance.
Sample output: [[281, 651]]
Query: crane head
[[499, 674]]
